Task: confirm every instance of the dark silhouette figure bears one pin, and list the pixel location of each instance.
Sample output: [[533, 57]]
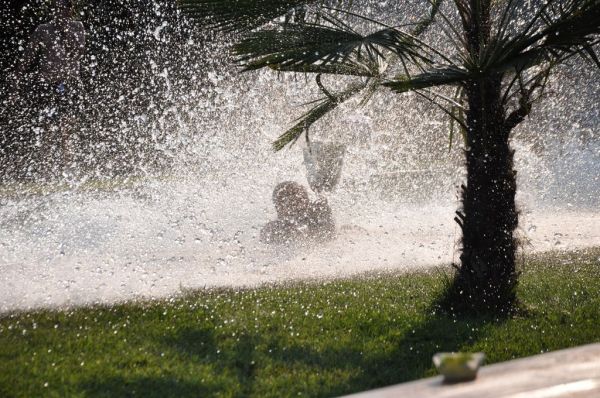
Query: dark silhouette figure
[[298, 219], [50, 69]]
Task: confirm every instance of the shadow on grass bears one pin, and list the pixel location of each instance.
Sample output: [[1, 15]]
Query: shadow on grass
[[237, 361], [409, 359], [192, 346], [148, 386], [406, 357]]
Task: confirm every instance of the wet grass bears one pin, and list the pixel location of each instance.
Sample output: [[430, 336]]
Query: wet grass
[[307, 339]]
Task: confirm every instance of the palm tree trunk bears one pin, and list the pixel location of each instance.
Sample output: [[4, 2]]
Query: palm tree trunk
[[487, 278]]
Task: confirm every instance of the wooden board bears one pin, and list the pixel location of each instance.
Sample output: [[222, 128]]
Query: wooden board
[[573, 373]]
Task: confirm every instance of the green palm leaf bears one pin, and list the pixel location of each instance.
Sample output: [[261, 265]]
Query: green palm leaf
[[566, 30], [449, 75], [324, 106], [314, 48], [347, 68]]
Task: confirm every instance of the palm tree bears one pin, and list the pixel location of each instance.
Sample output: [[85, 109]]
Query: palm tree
[[484, 63]]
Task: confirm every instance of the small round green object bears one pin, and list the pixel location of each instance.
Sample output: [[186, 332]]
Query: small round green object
[[458, 367]]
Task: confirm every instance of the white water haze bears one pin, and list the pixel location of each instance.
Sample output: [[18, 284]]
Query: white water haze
[[196, 223]]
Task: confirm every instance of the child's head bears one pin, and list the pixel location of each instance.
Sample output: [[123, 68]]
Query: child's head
[[291, 200]]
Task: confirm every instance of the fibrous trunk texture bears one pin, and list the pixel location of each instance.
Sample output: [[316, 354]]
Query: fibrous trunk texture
[[486, 278]]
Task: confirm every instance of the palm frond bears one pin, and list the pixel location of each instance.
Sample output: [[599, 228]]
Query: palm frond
[[343, 68], [444, 76], [588, 53], [323, 107], [315, 47], [443, 108], [458, 113], [568, 29], [418, 28], [370, 89]]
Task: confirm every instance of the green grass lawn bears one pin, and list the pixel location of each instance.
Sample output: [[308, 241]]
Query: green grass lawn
[[306, 339]]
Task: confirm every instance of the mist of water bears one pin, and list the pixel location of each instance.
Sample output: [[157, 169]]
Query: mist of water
[[194, 222]]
